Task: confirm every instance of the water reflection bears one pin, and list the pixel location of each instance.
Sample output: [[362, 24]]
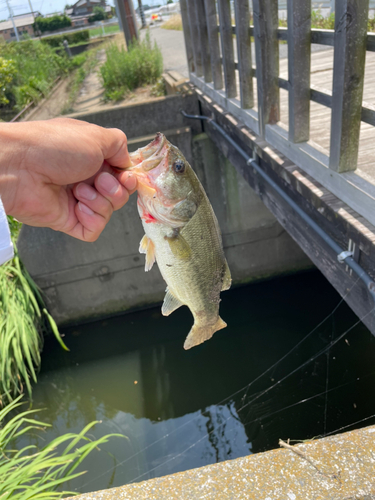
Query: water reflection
[[183, 409]]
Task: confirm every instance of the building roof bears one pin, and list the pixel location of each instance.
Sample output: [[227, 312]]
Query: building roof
[[83, 2], [19, 21]]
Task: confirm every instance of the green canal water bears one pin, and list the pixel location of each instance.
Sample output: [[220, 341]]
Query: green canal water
[[222, 400]]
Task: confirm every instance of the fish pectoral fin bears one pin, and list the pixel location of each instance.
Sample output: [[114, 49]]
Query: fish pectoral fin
[[179, 246], [227, 279], [199, 334], [170, 304], [147, 246], [143, 244]]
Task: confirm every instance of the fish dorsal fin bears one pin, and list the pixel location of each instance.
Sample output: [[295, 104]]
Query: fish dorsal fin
[[179, 246], [170, 304], [227, 279], [147, 246]]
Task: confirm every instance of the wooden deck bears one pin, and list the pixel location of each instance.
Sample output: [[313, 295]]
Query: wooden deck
[[320, 116]]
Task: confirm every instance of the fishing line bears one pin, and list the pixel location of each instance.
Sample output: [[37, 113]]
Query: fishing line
[[246, 387], [254, 399], [349, 425]]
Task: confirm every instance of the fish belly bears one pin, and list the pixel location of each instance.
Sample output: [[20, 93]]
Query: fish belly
[[197, 281]]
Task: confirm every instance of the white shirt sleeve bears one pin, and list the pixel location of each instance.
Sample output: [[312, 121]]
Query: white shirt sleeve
[[6, 245]]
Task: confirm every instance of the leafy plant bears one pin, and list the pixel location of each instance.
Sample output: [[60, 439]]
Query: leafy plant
[[71, 38], [23, 318], [7, 73], [124, 71], [53, 23], [31, 474]]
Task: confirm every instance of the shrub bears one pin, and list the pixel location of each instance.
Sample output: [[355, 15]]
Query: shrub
[[99, 14], [34, 474], [53, 23], [36, 66], [72, 38], [7, 74], [124, 71]]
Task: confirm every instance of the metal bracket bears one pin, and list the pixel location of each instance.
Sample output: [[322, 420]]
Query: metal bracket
[[344, 255]]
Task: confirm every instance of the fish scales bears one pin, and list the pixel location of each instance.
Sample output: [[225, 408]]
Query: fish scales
[[182, 235]]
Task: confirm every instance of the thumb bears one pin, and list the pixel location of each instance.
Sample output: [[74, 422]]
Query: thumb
[[114, 146]]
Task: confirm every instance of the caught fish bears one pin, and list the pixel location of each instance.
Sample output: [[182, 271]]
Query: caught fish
[[182, 236]]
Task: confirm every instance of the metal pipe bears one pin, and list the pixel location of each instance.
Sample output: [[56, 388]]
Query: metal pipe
[[342, 255]]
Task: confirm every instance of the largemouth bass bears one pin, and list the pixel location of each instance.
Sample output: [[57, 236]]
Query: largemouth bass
[[182, 236]]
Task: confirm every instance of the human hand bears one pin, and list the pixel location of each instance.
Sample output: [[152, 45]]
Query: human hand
[[58, 173]]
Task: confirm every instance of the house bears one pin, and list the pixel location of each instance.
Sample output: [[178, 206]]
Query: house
[[80, 12], [24, 24], [85, 7]]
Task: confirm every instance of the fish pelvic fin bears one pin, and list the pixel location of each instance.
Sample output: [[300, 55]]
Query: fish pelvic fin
[[199, 334], [147, 246], [227, 279]]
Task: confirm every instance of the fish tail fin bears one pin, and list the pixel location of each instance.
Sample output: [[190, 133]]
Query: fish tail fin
[[199, 334]]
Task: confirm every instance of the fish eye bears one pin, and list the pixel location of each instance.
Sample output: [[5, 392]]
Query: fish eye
[[179, 167]]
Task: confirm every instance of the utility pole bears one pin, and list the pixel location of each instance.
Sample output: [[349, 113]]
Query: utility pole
[[14, 24], [127, 16], [35, 26], [142, 14]]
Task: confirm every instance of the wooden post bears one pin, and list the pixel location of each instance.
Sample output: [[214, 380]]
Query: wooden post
[[194, 36], [267, 62], [227, 47], [213, 36], [203, 39], [187, 36], [299, 50], [242, 13], [348, 76]]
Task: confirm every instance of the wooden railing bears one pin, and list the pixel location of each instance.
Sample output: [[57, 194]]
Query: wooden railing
[[209, 35]]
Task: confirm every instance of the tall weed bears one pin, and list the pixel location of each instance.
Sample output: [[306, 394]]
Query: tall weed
[[124, 71], [23, 319], [32, 474]]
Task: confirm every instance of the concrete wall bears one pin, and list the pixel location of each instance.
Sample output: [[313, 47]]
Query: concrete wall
[[87, 280]]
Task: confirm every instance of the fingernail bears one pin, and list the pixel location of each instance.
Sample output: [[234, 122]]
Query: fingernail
[[85, 209], [130, 182], [108, 183], [86, 192]]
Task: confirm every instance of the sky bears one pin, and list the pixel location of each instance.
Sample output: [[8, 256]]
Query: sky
[[49, 6]]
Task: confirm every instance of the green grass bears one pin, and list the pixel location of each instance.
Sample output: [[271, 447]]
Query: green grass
[[97, 31], [85, 63], [125, 71], [34, 474]]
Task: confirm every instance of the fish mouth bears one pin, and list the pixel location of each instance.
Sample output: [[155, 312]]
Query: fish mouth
[[146, 159], [149, 154]]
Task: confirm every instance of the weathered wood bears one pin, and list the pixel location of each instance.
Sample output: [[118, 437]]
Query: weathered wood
[[267, 61], [213, 36], [359, 298], [227, 47], [203, 40], [299, 26], [242, 13], [194, 35], [348, 77], [187, 36]]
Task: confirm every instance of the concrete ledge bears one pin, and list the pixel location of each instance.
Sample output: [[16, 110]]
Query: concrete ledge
[[340, 467]]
